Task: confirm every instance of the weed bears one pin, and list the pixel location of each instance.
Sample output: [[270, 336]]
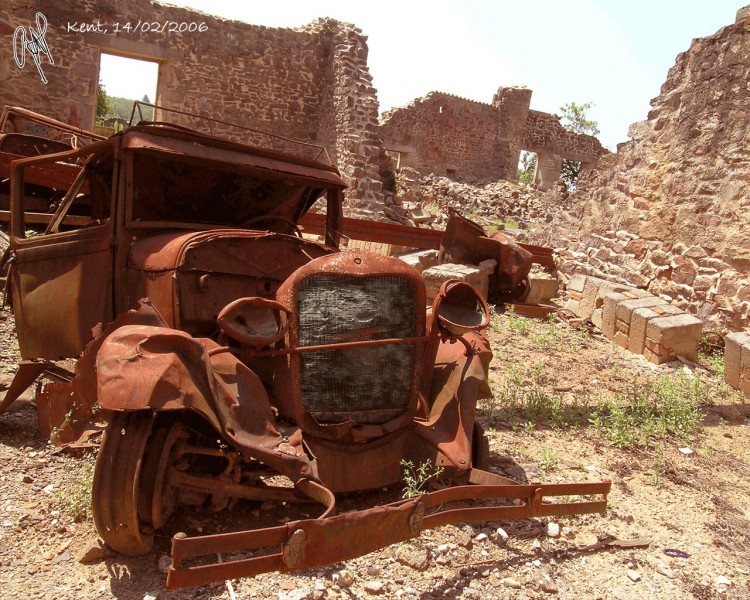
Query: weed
[[537, 373], [417, 478], [714, 361], [647, 412], [548, 460], [518, 324], [75, 495]]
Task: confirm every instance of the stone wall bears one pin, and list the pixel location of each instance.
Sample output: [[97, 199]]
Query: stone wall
[[468, 140], [670, 212], [445, 134], [310, 84]]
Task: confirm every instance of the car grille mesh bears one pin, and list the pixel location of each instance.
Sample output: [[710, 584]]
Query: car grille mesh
[[371, 384]]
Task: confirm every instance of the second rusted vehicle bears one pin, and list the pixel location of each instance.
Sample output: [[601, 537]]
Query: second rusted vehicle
[[232, 357]]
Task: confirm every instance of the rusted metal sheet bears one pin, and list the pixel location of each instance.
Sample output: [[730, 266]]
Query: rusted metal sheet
[[402, 235], [466, 242], [178, 141]]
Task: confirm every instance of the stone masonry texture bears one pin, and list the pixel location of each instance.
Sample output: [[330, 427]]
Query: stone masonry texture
[[467, 140], [670, 211], [310, 84]]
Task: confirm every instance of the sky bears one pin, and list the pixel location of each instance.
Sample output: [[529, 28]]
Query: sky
[[612, 53]]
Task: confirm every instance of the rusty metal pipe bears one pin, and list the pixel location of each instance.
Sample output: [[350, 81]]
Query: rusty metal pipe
[[226, 487], [321, 347]]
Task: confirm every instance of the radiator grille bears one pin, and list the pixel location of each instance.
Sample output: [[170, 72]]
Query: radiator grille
[[368, 385]]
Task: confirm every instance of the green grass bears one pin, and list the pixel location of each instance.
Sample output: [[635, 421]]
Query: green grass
[[643, 414], [641, 417]]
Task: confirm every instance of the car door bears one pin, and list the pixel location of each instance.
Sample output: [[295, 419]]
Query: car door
[[61, 273]]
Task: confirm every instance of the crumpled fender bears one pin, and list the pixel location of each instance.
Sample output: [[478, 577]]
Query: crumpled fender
[[460, 378], [142, 367]]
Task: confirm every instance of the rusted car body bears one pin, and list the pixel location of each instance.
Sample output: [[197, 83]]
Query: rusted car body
[[224, 351]]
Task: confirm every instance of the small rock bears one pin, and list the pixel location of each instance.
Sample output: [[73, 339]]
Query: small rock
[[288, 585], [545, 584], [375, 587], [373, 570], [27, 479], [553, 530], [151, 596], [94, 550], [481, 537], [633, 575], [663, 569], [501, 536], [686, 451], [416, 557], [512, 583], [722, 581], [464, 537], [319, 591], [343, 579], [48, 489], [165, 561]]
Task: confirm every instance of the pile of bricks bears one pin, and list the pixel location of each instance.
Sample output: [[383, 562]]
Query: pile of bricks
[[636, 320], [737, 361]]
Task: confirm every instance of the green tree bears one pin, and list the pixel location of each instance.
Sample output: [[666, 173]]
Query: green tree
[[574, 119], [526, 167], [104, 105]]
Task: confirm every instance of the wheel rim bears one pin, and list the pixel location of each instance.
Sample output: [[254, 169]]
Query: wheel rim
[[163, 496]]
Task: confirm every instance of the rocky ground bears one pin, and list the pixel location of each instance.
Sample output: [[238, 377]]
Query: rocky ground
[[685, 495]]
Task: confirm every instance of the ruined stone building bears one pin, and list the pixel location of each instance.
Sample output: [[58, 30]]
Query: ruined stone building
[[670, 211], [464, 139], [311, 84]]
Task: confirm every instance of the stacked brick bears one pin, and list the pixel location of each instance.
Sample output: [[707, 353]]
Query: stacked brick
[[636, 320], [737, 361]]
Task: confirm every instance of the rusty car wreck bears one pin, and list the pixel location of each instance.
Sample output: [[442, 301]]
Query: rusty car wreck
[[224, 351]]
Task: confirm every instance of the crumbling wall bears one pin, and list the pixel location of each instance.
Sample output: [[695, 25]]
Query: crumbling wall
[[545, 135], [310, 84], [468, 140], [445, 134], [670, 212]]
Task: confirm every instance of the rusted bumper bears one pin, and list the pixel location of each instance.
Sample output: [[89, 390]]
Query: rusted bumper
[[317, 542]]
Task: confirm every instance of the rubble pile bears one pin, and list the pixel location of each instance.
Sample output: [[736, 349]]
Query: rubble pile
[[425, 200]]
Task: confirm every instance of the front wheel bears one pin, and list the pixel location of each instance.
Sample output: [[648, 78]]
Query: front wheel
[[117, 482]]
